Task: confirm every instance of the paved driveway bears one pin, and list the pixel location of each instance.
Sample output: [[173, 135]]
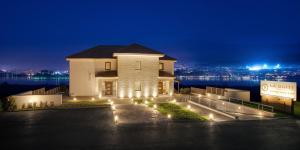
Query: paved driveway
[[94, 129]]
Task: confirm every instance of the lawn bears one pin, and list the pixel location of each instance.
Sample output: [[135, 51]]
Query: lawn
[[178, 112], [297, 109]]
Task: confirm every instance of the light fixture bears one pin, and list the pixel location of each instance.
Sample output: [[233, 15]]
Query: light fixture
[[113, 107], [211, 116], [92, 98], [116, 118], [169, 116], [154, 106], [75, 99], [189, 106]]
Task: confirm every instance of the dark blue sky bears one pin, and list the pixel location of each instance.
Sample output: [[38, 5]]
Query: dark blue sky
[[39, 34]]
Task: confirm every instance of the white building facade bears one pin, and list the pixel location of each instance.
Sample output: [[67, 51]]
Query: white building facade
[[121, 71]]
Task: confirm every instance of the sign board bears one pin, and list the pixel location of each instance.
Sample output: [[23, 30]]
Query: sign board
[[279, 89]]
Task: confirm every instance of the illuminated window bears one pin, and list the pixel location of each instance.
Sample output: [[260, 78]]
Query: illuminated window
[[138, 65], [161, 66], [138, 86], [107, 65]]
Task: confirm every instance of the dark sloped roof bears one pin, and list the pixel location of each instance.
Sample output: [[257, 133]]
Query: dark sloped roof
[[106, 51], [113, 73], [165, 74]]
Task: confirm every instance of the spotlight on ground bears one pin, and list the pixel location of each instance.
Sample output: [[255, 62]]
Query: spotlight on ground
[[169, 116], [116, 118], [188, 106], [211, 116]]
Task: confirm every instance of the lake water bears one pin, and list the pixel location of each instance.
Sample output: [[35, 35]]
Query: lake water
[[186, 82], [27, 81]]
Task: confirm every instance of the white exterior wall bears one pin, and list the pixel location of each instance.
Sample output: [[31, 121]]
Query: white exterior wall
[[100, 64], [148, 75], [82, 78], [25, 100], [168, 66]]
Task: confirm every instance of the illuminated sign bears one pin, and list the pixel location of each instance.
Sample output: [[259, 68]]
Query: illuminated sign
[[280, 89]]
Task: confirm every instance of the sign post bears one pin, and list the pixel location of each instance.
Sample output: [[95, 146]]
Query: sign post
[[281, 95]]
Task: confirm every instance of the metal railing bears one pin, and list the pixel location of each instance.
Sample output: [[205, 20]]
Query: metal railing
[[251, 104]]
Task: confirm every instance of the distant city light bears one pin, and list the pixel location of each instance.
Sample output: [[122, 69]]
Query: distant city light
[[263, 67]]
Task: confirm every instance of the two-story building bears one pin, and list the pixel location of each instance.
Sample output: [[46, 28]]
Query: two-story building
[[121, 71]]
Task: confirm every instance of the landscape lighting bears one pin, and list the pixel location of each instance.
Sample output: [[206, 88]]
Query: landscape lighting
[[211, 116], [169, 116]]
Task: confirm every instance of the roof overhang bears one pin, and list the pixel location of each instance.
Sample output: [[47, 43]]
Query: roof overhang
[[166, 77], [137, 54], [107, 77]]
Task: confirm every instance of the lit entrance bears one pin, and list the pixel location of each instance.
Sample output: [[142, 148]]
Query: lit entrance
[[163, 87], [108, 88]]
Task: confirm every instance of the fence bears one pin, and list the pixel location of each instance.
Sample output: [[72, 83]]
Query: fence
[[229, 107]]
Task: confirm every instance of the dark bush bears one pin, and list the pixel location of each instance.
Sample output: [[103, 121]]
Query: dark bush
[[185, 90], [10, 105]]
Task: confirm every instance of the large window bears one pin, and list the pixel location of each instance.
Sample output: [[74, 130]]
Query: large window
[[138, 65], [107, 65], [138, 86], [161, 66]]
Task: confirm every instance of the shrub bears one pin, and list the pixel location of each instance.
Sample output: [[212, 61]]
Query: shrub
[[10, 105], [1, 105], [185, 90]]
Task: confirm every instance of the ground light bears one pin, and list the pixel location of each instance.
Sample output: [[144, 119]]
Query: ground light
[[188, 106], [116, 118], [169, 116], [74, 99], [260, 114], [113, 107], [146, 102], [154, 106], [211, 116], [174, 100], [239, 107], [135, 103], [199, 95], [92, 98]]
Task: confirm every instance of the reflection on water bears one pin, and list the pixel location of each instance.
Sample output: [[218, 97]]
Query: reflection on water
[[207, 81], [28, 81]]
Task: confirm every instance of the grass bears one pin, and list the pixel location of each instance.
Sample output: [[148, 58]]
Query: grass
[[297, 109], [179, 113]]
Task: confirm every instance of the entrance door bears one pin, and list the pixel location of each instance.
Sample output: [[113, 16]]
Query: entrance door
[[160, 87], [163, 87], [108, 88]]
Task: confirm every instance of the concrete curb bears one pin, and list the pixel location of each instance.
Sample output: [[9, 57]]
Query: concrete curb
[[214, 110]]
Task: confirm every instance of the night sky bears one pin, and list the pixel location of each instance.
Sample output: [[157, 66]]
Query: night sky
[[39, 34]]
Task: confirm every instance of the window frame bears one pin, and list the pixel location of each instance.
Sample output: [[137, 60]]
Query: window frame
[[106, 65], [138, 65], [162, 65]]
